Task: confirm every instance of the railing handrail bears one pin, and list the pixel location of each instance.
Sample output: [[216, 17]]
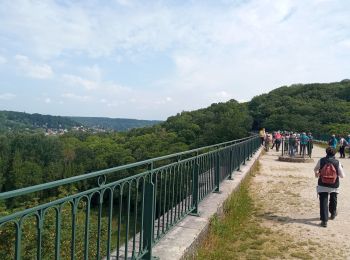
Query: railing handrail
[[74, 179]]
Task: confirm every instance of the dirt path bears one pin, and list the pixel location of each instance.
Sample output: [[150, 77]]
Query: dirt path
[[287, 198]]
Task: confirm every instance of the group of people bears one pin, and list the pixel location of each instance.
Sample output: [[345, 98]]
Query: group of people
[[342, 142], [293, 143], [328, 169]]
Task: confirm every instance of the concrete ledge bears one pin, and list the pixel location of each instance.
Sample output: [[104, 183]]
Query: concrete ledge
[[182, 241], [296, 159]]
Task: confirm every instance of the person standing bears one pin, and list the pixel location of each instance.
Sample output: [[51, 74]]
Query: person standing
[[342, 144], [262, 135], [348, 141], [328, 170], [303, 142], [278, 138], [310, 144], [333, 142], [292, 143]]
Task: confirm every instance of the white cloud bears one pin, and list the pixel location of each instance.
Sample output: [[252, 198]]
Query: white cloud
[[75, 97], [7, 96], [38, 71], [77, 80], [125, 2], [47, 100], [3, 60], [213, 50]]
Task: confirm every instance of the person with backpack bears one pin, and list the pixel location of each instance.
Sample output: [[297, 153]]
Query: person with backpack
[[328, 170]]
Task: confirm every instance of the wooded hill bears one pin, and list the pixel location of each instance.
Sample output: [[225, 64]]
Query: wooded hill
[[11, 121], [116, 124], [319, 108]]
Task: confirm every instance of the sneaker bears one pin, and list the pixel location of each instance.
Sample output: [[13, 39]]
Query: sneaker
[[323, 224], [333, 215]]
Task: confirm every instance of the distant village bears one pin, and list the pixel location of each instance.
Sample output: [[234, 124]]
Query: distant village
[[62, 131]]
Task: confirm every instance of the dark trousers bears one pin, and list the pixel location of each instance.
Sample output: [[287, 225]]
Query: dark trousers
[[342, 151], [278, 144], [309, 149], [273, 144], [302, 149], [324, 204], [262, 140]]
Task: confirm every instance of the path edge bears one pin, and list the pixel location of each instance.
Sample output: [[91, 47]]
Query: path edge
[[183, 240]]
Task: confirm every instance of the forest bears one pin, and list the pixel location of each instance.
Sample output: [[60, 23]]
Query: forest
[[21, 122], [319, 108], [32, 158]]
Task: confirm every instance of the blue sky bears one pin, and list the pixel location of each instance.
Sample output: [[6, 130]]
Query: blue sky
[[153, 59]]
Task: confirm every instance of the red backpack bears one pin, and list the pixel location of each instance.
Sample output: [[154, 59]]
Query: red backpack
[[328, 174]]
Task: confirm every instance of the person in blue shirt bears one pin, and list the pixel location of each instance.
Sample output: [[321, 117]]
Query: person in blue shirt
[[333, 142], [303, 142]]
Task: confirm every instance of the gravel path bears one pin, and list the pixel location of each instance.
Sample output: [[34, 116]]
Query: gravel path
[[288, 203]]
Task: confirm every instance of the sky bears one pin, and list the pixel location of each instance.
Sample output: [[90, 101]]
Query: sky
[[153, 59]]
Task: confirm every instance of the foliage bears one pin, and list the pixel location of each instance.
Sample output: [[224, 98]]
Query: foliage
[[217, 123], [11, 121], [117, 124], [319, 108]]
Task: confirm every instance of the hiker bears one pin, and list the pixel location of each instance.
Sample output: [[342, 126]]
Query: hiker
[[342, 144], [297, 138], [328, 170], [310, 144], [304, 139], [292, 143], [262, 135], [278, 138], [286, 142], [268, 141], [333, 142], [348, 141]]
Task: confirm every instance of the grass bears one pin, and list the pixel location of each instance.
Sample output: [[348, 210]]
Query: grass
[[239, 234]]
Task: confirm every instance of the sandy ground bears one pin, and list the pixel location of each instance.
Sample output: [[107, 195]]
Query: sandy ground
[[289, 204]]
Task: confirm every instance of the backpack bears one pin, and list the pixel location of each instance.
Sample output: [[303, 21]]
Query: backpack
[[328, 174]]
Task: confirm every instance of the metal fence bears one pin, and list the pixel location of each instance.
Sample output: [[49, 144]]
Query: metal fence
[[117, 218]]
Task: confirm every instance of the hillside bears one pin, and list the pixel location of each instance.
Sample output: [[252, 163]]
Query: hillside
[[116, 124], [320, 108], [11, 121]]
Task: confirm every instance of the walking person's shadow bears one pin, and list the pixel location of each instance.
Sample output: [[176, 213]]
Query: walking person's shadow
[[285, 220]]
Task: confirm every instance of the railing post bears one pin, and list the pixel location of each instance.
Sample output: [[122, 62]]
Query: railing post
[[217, 172], [244, 153], [231, 164], [148, 220], [195, 187], [238, 156]]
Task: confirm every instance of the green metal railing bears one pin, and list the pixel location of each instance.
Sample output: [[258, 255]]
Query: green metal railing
[[118, 218]]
